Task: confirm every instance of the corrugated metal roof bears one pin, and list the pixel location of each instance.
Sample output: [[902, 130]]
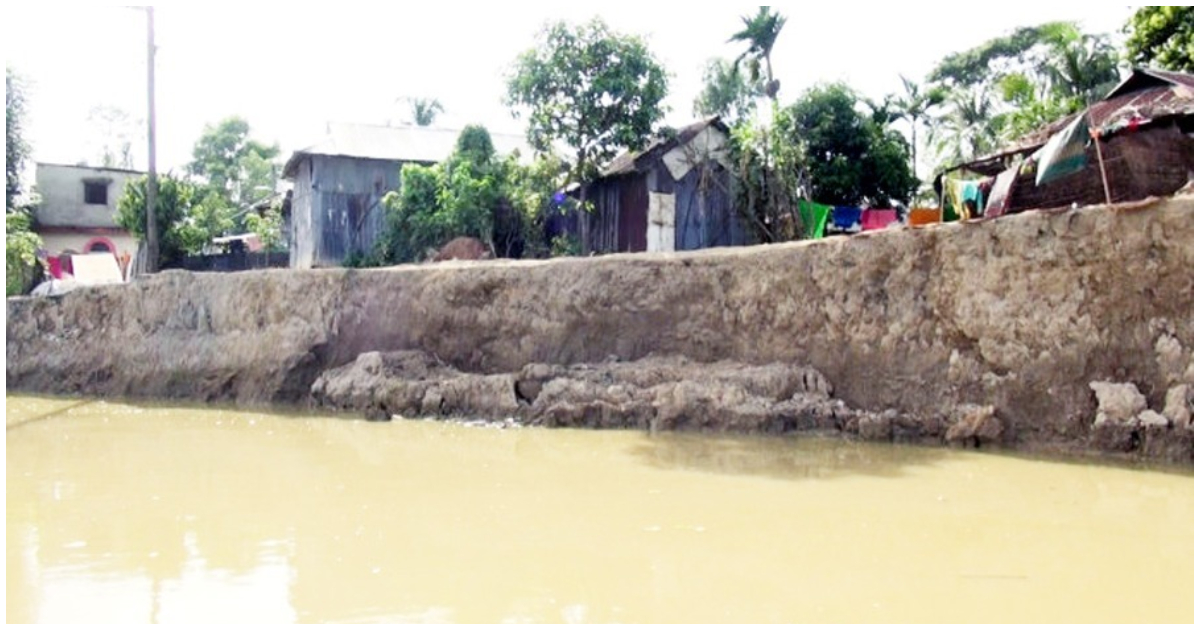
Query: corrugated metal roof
[[627, 162], [409, 143]]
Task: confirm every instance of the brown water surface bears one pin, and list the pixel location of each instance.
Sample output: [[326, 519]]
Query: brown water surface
[[146, 513]]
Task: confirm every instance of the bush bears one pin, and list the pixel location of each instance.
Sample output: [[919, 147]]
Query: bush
[[20, 253], [473, 193]]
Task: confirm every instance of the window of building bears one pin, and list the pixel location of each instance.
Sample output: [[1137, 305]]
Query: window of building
[[95, 193]]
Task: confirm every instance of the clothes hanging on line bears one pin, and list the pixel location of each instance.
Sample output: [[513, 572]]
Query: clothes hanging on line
[[847, 218], [964, 198], [924, 216], [1001, 195], [878, 218], [814, 216]]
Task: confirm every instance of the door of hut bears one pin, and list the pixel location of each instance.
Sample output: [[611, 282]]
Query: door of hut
[[634, 206]]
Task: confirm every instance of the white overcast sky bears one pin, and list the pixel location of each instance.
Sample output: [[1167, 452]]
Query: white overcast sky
[[291, 68]]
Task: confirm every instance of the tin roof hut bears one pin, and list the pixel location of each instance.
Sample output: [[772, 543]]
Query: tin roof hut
[[675, 194], [340, 182], [1145, 128]]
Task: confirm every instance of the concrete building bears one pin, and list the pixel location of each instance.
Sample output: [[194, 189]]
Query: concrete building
[[78, 209]]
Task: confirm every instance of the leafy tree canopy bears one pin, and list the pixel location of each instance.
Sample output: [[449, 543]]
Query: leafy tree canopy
[[1011, 85], [235, 174], [438, 203], [20, 241], [20, 251], [592, 89], [728, 93], [982, 62], [177, 234], [237, 167], [16, 151], [472, 193], [1164, 37], [849, 156]]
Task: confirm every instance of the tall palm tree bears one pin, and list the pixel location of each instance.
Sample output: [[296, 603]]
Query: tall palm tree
[[1081, 67], [913, 105], [969, 128], [759, 35]]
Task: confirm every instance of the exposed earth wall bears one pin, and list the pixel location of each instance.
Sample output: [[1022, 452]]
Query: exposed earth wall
[[1068, 330]]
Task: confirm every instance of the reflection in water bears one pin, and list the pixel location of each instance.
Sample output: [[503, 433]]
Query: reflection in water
[[153, 513], [791, 457]]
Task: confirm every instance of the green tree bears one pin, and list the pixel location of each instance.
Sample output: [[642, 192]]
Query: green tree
[[769, 168], [268, 226], [1032, 110], [1163, 37], [914, 105], [459, 197], [425, 110], [997, 56], [850, 157], [177, 235], [228, 161], [472, 189], [591, 89], [1079, 66], [970, 127], [759, 34], [531, 194], [20, 251], [20, 241], [1016, 83], [16, 151], [211, 214], [411, 221], [728, 93]]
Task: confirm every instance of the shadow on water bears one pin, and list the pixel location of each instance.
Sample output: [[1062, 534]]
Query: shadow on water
[[783, 457]]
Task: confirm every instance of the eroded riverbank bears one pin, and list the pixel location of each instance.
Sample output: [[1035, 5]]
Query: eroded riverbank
[[1000, 328]]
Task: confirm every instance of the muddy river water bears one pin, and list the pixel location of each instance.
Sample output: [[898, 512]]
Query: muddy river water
[[146, 513]]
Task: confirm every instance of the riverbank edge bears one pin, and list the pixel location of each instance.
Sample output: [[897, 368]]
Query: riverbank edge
[[1021, 315]]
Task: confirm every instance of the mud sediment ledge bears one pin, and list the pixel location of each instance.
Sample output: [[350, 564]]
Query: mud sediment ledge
[[1062, 330]]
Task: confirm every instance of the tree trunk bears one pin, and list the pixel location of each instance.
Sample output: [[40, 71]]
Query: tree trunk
[[585, 231], [913, 150]]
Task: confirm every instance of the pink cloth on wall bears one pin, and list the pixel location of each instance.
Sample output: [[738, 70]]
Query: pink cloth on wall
[[878, 219]]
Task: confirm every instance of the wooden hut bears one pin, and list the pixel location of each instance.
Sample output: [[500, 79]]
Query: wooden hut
[[1145, 132], [675, 194]]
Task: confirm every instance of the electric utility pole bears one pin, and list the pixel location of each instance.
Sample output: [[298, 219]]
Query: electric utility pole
[[152, 179]]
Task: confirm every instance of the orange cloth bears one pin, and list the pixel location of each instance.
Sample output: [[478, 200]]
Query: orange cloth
[[924, 216]]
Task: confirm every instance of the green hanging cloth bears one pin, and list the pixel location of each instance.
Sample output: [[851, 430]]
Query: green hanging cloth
[[1064, 153], [813, 216]]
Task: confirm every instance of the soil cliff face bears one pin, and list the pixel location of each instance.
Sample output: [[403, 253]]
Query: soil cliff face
[[1020, 315]]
